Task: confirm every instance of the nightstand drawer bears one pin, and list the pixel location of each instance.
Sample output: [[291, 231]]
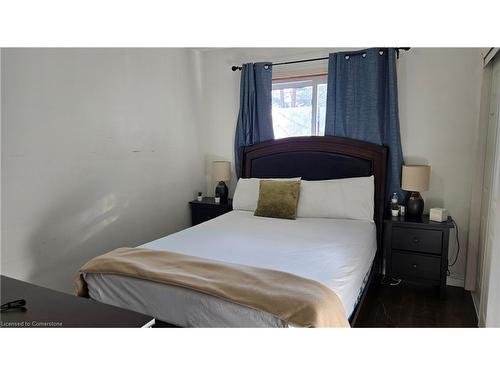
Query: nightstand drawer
[[207, 209], [208, 213], [204, 214], [428, 241], [415, 266]]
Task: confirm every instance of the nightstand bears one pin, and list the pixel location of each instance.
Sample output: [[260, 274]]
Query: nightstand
[[417, 250], [207, 209]]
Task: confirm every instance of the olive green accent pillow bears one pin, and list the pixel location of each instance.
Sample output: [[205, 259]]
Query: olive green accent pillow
[[278, 199]]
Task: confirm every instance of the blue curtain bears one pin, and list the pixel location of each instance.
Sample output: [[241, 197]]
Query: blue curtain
[[362, 103], [255, 123]]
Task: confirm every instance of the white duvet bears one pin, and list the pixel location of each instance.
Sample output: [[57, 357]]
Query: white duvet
[[337, 253]]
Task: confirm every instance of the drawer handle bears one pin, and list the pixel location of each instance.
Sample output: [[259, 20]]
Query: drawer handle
[[414, 265], [415, 240]]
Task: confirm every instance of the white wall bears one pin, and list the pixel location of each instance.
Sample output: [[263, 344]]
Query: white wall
[[99, 150], [439, 96]]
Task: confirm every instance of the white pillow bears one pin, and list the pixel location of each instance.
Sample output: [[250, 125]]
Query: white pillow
[[246, 193], [346, 198]]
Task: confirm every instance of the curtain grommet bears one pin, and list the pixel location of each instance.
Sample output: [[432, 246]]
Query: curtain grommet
[[347, 57], [364, 55], [380, 52]]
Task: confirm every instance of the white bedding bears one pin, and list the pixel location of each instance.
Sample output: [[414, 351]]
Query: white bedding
[[335, 252]]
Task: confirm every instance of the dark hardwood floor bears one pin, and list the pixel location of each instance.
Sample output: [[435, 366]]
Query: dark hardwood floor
[[410, 305]]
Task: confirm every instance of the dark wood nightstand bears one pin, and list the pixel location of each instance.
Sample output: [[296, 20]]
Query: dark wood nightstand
[[207, 209], [417, 250]]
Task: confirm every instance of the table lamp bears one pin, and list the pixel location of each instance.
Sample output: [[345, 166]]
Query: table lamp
[[221, 171], [415, 179]]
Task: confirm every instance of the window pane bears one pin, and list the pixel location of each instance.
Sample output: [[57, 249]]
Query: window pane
[[321, 108], [292, 111]]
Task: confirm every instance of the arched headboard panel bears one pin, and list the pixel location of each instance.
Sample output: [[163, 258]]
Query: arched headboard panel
[[321, 158]]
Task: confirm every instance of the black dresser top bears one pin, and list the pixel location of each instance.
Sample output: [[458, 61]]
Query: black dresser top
[[211, 201], [420, 222], [50, 308]]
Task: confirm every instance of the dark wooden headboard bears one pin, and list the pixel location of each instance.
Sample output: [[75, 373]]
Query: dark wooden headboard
[[320, 158]]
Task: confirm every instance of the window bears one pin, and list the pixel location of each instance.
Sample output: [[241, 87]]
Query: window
[[299, 106]]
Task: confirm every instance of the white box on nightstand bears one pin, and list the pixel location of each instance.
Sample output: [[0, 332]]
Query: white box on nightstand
[[438, 214]]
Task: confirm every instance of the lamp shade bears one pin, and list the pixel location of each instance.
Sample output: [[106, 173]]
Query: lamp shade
[[416, 177], [221, 170]]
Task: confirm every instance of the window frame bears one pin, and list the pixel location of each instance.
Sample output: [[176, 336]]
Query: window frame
[[302, 81]]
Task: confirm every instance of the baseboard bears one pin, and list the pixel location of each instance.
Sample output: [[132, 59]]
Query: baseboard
[[454, 282], [475, 301]]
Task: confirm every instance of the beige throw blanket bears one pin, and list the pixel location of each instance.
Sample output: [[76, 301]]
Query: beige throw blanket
[[294, 299]]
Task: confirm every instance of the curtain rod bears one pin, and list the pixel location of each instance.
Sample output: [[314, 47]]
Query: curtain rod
[[235, 68]]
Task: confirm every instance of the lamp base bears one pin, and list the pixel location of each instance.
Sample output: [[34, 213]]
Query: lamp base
[[415, 205], [222, 191]]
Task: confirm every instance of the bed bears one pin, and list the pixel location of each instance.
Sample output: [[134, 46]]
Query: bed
[[342, 254]]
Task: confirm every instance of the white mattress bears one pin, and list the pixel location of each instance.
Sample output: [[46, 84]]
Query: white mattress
[[337, 253]]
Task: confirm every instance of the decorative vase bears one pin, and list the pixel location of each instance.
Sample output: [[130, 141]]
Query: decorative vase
[[222, 191]]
